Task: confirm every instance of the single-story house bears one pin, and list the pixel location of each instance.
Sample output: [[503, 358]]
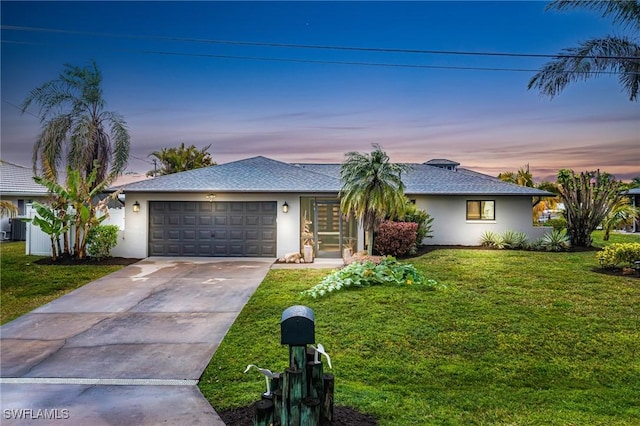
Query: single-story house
[[266, 208], [18, 187]]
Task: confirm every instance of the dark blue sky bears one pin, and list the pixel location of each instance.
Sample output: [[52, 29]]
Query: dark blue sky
[[173, 91]]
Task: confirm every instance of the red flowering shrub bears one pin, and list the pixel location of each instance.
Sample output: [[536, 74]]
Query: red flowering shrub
[[396, 238]]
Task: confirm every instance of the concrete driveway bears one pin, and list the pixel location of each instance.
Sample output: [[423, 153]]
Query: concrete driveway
[[126, 349]]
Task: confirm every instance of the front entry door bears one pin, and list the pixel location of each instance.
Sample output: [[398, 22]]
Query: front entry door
[[328, 230]]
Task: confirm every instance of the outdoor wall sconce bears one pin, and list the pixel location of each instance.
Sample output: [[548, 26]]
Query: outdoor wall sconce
[[136, 207], [285, 207], [210, 197]]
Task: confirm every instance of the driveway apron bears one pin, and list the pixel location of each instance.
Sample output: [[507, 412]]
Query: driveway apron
[[128, 348]]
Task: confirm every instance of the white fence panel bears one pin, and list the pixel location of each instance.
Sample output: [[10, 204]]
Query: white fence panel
[[39, 244]]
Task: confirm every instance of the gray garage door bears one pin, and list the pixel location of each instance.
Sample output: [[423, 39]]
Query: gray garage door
[[195, 228]]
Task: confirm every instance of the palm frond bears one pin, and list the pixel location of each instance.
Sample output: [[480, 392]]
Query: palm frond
[[624, 12], [590, 59]]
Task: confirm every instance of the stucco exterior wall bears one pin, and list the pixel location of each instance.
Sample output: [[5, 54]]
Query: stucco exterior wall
[[451, 227], [133, 241]]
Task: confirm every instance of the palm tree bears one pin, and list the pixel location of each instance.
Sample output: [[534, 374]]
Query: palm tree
[[524, 177], [611, 54], [621, 213], [76, 130], [180, 159], [372, 189], [7, 208]]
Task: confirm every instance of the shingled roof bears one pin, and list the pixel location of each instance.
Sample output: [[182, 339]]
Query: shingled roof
[[260, 174], [256, 174], [18, 181]]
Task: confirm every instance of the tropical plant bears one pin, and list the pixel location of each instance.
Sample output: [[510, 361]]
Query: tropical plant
[[7, 208], [522, 177], [514, 240], [424, 220], [81, 195], [77, 131], [47, 219], [612, 54], [371, 189], [491, 239], [588, 198], [101, 240], [621, 213], [367, 273], [555, 241], [635, 182], [180, 159]]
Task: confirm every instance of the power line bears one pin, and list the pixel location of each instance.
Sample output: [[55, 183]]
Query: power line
[[312, 46], [328, 62]]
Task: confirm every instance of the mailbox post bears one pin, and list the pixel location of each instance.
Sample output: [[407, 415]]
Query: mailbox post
[[304, 395]]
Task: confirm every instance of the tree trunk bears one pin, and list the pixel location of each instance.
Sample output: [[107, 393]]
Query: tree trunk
[[54, 256]]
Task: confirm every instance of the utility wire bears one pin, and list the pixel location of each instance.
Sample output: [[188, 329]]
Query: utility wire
[[319, 61], [312, 46]]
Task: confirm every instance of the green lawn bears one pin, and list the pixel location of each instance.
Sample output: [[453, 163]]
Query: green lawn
[[25, 285], [517, 338]]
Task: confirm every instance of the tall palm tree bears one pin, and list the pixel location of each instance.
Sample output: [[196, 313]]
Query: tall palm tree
[[611, 54], [76, 130], [371, 189]]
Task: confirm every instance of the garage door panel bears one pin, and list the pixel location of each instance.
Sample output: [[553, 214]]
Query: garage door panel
[[252, 220], [268, 235], [212, 229], [268, 221], [267, 250], [269, 208], [204, 234]]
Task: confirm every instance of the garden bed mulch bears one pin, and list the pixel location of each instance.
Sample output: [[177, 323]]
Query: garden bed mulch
[[344, 416]]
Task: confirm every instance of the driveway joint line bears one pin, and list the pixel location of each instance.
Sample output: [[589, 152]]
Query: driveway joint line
[[109, 382]]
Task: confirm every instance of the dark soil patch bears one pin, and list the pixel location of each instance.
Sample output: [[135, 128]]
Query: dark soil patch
[[344, 416], [72, 261]]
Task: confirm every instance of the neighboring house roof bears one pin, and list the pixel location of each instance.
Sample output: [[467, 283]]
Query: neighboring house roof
[[634, 191], [260, 174], [18, 181]]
